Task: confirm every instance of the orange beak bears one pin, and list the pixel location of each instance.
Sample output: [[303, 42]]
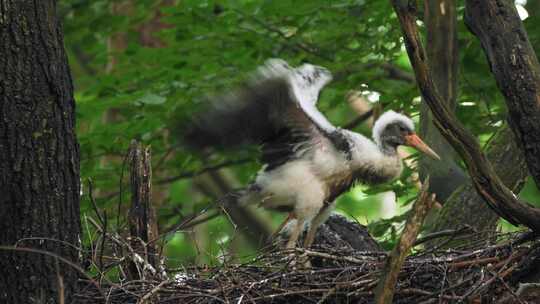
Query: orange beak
[[414, 141]]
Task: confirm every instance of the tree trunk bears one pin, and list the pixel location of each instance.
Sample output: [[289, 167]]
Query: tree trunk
[[466, 206], [513, 62], [39, 156], [442, 53]]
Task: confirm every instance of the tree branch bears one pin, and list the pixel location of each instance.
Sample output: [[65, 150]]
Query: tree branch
[[486, 182]]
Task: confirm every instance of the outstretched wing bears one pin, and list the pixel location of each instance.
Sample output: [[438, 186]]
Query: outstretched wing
[[276, 109]]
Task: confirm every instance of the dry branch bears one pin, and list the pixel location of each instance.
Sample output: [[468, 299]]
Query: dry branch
[[141, 217], [387, 283], [487, 183]]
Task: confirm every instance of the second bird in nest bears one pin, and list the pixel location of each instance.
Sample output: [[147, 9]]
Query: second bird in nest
[[308, 162]]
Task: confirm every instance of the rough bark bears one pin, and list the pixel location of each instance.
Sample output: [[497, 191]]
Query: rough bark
[[142, 216], [39, 156], [513, 62], [466, 206], [442, 53]]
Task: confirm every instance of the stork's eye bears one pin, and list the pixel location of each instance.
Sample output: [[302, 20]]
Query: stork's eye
[[403, 129]]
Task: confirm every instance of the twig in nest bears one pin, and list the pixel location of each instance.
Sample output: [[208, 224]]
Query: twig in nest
[[458, 265], [328, 256], [444, 233], [152, 292], [102, 219]]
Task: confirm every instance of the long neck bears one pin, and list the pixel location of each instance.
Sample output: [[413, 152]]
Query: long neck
[[372, 163], [387, 149]]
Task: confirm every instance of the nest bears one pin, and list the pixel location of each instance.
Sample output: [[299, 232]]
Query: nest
[[490, 270]]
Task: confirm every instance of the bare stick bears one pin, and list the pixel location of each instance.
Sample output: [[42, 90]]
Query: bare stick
[[146, 297], [384, 292]]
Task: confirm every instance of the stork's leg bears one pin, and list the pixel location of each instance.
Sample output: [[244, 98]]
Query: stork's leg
[[308, 205], [310, 236], [316, 223], [295, 233]]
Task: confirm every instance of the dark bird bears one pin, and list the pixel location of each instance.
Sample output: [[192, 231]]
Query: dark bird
[[308, 162]]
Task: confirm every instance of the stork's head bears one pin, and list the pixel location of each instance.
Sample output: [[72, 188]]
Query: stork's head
[[393, 129], [306, 75], [306, 80], [313, 76]]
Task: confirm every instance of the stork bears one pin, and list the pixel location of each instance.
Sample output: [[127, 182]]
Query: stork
[[307, 161]]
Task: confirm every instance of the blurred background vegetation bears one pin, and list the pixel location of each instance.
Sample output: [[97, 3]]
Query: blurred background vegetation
[[139, 65]]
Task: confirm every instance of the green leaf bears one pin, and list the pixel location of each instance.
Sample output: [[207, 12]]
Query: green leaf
[[152, 99]]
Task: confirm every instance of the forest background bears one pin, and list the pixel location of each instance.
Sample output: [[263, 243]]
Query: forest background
[[140, 67]]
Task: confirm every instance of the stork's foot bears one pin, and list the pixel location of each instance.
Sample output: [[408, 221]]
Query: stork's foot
[[303, 260], [299, 261], [292, 259]]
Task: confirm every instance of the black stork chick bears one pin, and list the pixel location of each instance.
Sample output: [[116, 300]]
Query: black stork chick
[[308, 162]]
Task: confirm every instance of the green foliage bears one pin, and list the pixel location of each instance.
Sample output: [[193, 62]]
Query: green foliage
[[126, 89]]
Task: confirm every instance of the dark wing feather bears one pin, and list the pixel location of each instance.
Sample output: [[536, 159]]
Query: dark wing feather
[[248, 116], [277, 112], [294, 136]]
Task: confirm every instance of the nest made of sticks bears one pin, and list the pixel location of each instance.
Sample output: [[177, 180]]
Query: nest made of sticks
[[489, 270]]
